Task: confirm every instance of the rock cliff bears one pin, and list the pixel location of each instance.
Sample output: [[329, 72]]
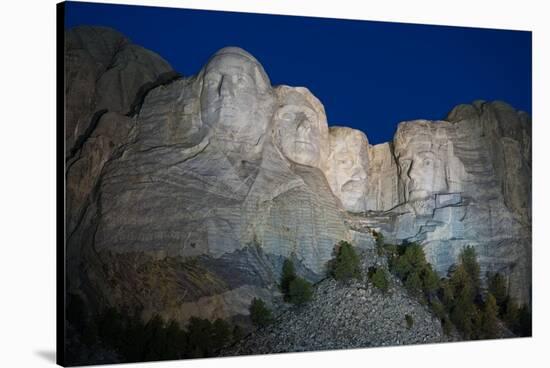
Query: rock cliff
[[186, 194]]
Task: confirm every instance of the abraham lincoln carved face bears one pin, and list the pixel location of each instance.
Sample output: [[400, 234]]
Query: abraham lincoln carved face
[[426, 160]]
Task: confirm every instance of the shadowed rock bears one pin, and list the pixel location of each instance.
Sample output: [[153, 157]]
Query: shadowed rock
[[185, 195]]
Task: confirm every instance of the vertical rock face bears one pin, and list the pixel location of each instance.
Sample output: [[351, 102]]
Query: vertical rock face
[[382, 193], [185, 195], [465, 181], [103, 71], [105, 76], [494, 142], [216, 181]]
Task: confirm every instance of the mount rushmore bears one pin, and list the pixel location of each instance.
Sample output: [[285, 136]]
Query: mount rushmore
[[184, 195]]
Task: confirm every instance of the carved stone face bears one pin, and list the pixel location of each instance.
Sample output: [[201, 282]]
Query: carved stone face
[[300, 134], [423, 153], [300, 128], [234, 94], [348, 165]]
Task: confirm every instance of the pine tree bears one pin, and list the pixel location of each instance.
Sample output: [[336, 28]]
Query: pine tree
[[489, 318], [288, 275], [300, 291], [413, 283], [259, 313], [380, 279], [468, 259], [347, 263], [430, 281], [511, 315], [496, 285]]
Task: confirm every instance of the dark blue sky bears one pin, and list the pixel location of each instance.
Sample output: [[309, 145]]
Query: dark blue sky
[[369, 75]]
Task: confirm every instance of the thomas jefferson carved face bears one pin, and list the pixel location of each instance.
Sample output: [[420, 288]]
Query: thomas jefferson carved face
[[348, 165], [424, 154], [300, 128], [236, 96]]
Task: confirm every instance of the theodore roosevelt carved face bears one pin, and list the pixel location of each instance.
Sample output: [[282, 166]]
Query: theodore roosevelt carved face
[[347, 167], [236, 97]]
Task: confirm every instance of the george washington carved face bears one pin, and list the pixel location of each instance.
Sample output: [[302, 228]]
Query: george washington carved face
[[236, 96]]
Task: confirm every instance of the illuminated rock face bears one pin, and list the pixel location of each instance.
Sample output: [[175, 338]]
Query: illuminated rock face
[[224, 176], [348, 166], [425, 160], [221, 170], [300, 127], [236, 100], [290, 209], [465, 181]]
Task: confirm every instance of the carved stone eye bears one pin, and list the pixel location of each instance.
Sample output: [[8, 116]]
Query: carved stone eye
[[287, 115], [213, 81], [346, 163], [310, 115], [239, 79]]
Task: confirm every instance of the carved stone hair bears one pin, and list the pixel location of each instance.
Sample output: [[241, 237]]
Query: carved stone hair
[[262, 79]]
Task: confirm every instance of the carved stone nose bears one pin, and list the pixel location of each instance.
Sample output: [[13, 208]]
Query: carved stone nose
[[414, 171], [225, 88], [358, 174]]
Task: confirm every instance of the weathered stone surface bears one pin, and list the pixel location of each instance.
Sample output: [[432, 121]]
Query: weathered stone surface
[[426, 160], [347, 315], [382, 194], [185, 199], [105, 77], [103, 71], [348, 165], [206, 171], [464, 182], [300, 129]]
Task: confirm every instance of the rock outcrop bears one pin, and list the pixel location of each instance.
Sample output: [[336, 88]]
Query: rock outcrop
[[464, 181], [186, 194], [215, 182], [347, 315]]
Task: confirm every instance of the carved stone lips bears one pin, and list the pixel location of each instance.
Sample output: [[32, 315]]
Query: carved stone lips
[[354, 185], [304, 144], [226, 107]]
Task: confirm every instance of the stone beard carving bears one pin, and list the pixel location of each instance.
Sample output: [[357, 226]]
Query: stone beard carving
[[426, 162], [300, 127], [236, 98], [347, 167]]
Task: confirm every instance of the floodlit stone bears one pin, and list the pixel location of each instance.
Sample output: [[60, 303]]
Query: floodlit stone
[[348, 166], [300, 127], [425, 160], [202, 186]]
